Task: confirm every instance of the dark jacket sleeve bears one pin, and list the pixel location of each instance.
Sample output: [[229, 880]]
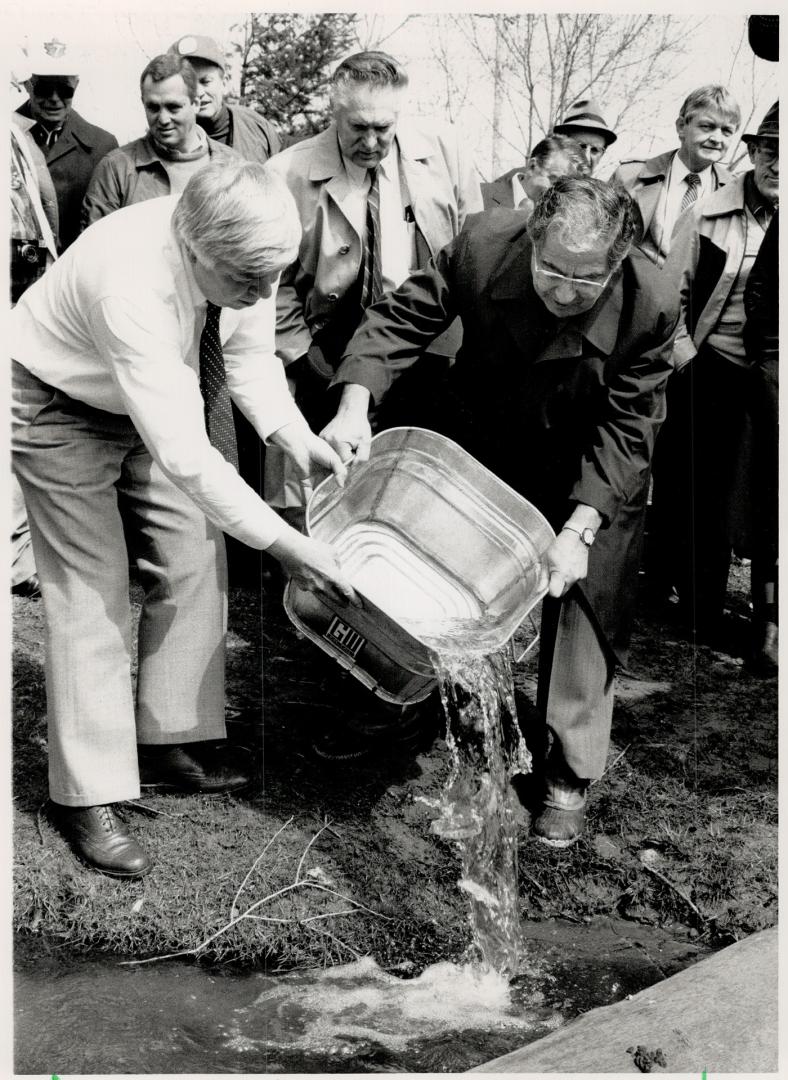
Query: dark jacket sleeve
[[762, 300], [398, 328], [617, 462], [105, 191]]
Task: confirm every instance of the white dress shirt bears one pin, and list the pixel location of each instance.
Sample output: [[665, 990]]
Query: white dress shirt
[[398, 237], [116, 323], [673, 191]]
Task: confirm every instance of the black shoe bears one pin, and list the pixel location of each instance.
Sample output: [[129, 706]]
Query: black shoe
[[207, 767], [412, 732], [99, 837], [30, 587]]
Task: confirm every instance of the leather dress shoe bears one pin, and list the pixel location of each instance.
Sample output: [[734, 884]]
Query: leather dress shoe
[[560, 820], [207, 767], [30, 588], [99, 837]]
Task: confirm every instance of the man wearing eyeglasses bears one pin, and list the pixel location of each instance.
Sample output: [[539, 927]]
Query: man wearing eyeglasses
[[705, 446], [71, 146], [559, 389]]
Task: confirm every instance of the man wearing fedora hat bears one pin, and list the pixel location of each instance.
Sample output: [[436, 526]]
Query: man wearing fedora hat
[[245, 130], [665, 185], [71, 146], [583, 123], [705, 463]]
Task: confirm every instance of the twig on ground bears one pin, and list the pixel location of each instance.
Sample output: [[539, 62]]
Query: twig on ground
[[281, 829], [144, 808], [339, 941], [235, 919], [533, 880], [661, 877], [326, 824], [611, 766], [38, 823]]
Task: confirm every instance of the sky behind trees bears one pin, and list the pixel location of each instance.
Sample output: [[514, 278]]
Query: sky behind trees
[[453, 61]]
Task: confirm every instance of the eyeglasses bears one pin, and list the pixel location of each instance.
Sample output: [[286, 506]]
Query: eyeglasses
[[769, 154], [46, 87], [581, 284]]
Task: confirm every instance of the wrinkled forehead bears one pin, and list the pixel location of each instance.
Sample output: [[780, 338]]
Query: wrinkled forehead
[[362, 104], [711, 115]]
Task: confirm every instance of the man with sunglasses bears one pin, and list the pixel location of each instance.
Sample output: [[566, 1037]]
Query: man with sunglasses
[[559, 389], [71, 146]]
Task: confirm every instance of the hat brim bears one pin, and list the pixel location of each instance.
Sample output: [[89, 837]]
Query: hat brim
[[747, 138], [567, 129]]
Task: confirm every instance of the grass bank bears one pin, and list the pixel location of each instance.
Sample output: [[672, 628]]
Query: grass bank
[[326, 863]]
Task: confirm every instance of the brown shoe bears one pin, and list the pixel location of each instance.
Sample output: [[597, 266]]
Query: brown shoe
[[560, 821], [99, 837], [210, 768]]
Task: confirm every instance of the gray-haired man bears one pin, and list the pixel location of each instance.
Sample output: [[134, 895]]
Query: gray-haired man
[[123, 443], [559, 389]]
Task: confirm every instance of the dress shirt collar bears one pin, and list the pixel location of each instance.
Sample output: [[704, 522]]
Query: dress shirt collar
[[358, 175]]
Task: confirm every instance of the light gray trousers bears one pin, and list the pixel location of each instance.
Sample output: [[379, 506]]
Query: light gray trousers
[[96, 500]]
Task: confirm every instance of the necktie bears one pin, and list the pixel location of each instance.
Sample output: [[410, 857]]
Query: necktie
[[692, 180], [372, 287], [213, 387]]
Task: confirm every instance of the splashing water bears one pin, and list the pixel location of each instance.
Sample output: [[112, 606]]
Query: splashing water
[[478, 807]]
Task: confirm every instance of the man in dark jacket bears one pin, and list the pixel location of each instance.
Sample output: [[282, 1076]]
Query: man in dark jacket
[[559, 389], [71, 146], [249, 133]]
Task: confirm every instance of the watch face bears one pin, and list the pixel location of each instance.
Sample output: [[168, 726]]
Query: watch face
[[588, 536]]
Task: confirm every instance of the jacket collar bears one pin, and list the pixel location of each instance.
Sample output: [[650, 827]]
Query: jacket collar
[[657, 167], [327, 160], [728, 199], [75, 129]]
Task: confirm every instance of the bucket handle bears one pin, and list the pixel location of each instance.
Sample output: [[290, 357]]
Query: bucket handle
[[519, 659]]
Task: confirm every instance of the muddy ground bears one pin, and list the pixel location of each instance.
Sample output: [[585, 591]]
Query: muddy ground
[[329, 862]]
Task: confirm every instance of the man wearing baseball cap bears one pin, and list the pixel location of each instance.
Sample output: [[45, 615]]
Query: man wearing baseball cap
[[71, 146], [583, 123], [245, 130]]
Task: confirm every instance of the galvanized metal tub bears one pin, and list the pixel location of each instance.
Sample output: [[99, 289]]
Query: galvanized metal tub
[[442, 553]]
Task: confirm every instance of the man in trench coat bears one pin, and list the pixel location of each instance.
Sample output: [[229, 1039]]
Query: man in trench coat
[[559, 389]]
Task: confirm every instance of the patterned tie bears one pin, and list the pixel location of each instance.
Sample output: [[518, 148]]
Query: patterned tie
[[372, 286], [213, 387], [692, 181]]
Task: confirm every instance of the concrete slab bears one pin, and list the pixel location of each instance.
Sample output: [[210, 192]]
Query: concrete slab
[[719, 1016]]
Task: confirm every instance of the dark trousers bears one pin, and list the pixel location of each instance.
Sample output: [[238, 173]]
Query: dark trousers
[[699, 499]]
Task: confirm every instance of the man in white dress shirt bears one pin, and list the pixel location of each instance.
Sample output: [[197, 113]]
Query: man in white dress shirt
[[126, 354]]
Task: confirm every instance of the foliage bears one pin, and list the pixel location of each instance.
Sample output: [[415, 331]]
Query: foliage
[[286, 61]]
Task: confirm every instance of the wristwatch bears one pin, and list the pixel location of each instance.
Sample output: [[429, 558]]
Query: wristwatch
[[587, 536]]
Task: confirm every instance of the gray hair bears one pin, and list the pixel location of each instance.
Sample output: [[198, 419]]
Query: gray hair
[[587, 213], [711, 96], [371, 69], [238, 217]]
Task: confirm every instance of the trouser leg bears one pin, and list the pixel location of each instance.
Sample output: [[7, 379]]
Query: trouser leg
[[68, 466], [23, 565], [181, 560], [575, 692]]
